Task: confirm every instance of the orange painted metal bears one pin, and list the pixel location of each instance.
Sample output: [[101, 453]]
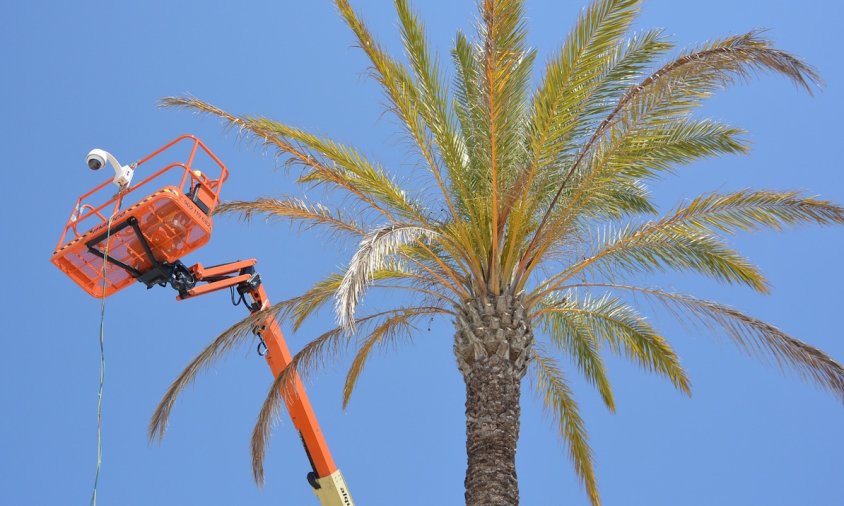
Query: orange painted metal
[[213, 287], [278, 357], [298, 405], [171, 222], [201, 272]]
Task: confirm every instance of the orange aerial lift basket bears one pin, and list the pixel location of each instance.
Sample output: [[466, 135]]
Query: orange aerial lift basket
[[152, 226], [145, 229]]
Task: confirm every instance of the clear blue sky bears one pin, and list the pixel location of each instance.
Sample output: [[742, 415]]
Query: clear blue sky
[[78, 75]]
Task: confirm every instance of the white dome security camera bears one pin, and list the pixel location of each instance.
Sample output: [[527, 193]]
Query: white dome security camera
[[96, 159]]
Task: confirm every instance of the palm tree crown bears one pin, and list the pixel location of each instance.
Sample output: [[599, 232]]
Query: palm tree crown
[[541, 215]]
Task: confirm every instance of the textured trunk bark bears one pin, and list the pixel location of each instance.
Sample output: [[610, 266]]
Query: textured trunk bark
[[492, 346], [492, 431]]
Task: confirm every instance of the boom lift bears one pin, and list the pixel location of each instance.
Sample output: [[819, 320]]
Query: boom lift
[[146, 242]]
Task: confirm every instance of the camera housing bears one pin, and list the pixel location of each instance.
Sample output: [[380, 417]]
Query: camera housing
[[96, 159]]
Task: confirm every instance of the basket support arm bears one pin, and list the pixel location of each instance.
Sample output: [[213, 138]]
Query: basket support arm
[[325, 479]]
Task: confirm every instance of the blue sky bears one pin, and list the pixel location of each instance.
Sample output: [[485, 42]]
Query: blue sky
[[79, 75]]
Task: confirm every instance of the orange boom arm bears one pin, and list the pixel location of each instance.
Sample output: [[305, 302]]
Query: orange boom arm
[[326, 479]]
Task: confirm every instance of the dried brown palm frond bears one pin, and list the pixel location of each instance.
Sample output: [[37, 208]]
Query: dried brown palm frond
[[386, 332], [225, 342], [307, 361], [300, 307], [295, 210], [374, 252]]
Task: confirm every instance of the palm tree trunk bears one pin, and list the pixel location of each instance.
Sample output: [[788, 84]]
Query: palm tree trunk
[[492, 346]]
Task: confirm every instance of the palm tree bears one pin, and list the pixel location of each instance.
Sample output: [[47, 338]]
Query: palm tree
[[536, 224]]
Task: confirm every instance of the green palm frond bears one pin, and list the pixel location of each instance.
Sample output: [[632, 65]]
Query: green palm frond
[[611, 199], [433, 94], [505, 64], [697, 73], [621, 65], [347, 163], [625, 331], [402, 92], [751, 335], [574, 336], [633, 155], [505, 70], [444, 127], [676, 88], [574, 76], [683, 238], [473, 122], [624, 160], [680, 85], [647, 152], [475, 179], [627, 64], [666, 244], [409, 104], [749, 210], [556, 394], [348, 169]]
